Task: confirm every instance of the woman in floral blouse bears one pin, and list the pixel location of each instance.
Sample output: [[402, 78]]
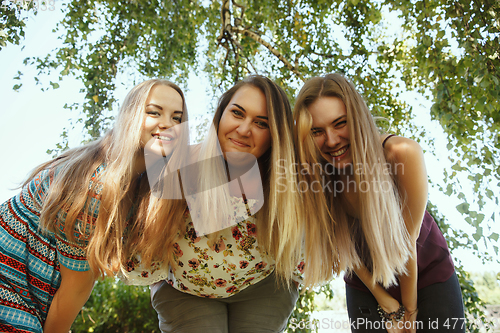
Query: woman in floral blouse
[[231, 267]]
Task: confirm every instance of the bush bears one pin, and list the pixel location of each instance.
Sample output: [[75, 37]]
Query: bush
[[116, 307]]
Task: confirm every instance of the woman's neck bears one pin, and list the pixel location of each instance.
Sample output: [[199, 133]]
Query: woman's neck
[[245, 180]]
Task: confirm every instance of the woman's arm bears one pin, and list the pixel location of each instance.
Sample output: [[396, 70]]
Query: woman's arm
[[407, 160], [72, 294], [384, 299]]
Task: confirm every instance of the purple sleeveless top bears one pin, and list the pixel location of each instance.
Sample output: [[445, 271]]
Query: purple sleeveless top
[[434, 261]]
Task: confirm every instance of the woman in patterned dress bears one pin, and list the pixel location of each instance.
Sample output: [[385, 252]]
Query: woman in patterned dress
[[234, 274], [74, 220], [371, 219]]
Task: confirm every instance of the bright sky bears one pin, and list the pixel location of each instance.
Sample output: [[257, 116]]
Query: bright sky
[[31, 120]]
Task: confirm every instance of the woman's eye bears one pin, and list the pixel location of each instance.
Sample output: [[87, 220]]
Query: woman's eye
[[262, 124], [341, 124], [177, 119], [153, 113], [237, 113], [316, 132]]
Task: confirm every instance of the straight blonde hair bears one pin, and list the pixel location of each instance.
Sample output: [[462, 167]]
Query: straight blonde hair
[[116, 234], [334, 243], [279, 229]]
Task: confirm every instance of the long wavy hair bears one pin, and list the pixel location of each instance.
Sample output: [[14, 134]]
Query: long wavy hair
[[124, 216], [279, 230], [334, 242]]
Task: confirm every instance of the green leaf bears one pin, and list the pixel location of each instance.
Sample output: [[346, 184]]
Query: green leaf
[[463, 208], [457, 166], [478, 234]]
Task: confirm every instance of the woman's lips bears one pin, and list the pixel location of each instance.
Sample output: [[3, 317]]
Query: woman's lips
[[166, 138], [238, 143], [340, 153]]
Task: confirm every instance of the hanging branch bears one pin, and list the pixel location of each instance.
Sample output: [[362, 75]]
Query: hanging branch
[[229, 34], [259, 40]]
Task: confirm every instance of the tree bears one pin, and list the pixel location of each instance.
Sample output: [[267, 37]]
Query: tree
[[488, 287], [12, 23], [448, 51], [115, 307]]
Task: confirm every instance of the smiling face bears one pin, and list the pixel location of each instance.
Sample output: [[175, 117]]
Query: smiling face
[[164, 110], [243, 126], [330, 130]]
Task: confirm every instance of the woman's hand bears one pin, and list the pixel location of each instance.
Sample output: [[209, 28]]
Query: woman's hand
[[391, 305], [406, 325], [395, 326], [411, 321]]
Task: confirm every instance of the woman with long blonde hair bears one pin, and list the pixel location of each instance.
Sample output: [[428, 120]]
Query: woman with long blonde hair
[[240, 245], [368, 218], [84, 214]]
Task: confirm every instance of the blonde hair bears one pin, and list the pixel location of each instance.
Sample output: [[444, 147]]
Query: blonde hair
[[334, 243], [279, 230], [114, 239]]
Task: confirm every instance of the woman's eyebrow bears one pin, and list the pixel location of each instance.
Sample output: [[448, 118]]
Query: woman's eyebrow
[[155, 105], [243, 109], [240, 107], [335, 120]]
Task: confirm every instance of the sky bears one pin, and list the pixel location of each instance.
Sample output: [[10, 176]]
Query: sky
[[31, 121]]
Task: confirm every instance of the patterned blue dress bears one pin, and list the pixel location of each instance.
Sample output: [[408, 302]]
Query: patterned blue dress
[[30, 259]]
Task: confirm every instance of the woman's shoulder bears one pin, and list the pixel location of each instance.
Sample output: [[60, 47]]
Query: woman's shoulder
[[400, 149]]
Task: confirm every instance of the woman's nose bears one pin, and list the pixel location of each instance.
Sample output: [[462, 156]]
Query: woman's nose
[[332, 138], [165, 123], [244, 128]]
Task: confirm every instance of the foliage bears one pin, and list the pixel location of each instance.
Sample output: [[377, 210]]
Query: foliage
[[488, 287], [116, 307], [12, 24], [326, 297], [302, 311], [451, 50], [474, 306]]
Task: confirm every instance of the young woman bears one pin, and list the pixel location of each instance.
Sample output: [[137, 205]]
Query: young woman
[[371, 219], [74, 219], [236, 278]]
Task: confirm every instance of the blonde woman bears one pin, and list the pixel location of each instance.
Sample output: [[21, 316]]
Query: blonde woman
[[74, 220], [236, 278], [370, 220]]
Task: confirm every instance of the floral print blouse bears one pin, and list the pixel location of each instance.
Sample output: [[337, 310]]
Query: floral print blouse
[[232, 264]]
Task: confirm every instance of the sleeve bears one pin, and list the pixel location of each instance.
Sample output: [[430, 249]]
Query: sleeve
[[70, 254]]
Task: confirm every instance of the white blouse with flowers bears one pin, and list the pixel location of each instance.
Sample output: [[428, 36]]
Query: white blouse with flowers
[[232, 264]]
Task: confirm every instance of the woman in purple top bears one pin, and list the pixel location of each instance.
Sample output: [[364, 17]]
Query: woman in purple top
[[369, 192]]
